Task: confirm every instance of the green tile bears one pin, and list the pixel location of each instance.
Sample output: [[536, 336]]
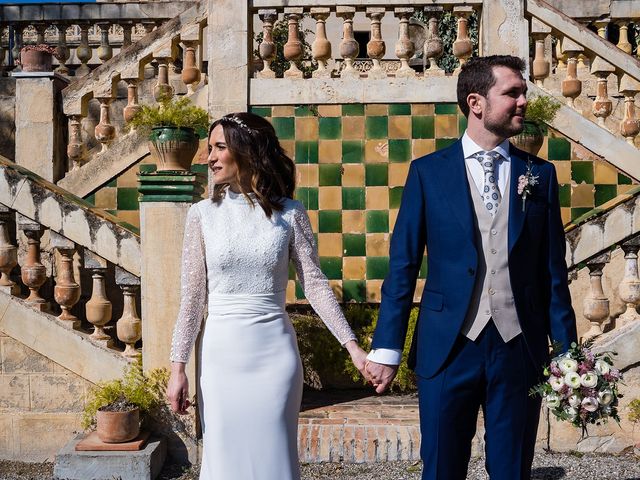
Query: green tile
[[285, 127], [376, 175], [564, 195], [331, 267], [299, 291], [446, 108], [306, 152], [422, 127], [112, 212], [423, 268], [444, 142], [147, 168], [330, 128], [376, 127], [399, 150], [353, 198], [127, 198], [582, 172], [330, 221], [354, 244], [305, 111], [377, 221], [604, 193], [399, 109], [377, 267], [308, 196], [395, 196], [330, 174], [200, 168], [261, 111], [353, 110], [354, 291], [462, 123], [91, 199], [559, 149], [623, 179], [113, 183], [578, 212], [352, 151]]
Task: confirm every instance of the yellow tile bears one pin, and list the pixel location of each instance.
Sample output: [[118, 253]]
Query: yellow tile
[[582, 195], [565, 213], [352, 128], [107, 198], [283, 111], [398, 174], [330, 151], [393, 216], [419, 289], [377, 198], [604, 173], [306, 128], [129, 178], [377, 244], [422, 109], [400, 126], [446, 126], [330, 198], [330, 244], [376, 151], [582, 153], [373, 289], [353, 221], [313, 219], [354, 268], [130, 216], [291, 291], [544, 150], [422, 146], [330, 110], [563, 171], [625, 188], [336, 287], [353, 175], [289, 147], [376, 109], [307, 175]]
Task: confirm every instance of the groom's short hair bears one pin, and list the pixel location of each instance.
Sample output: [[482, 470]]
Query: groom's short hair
[[476, 76]]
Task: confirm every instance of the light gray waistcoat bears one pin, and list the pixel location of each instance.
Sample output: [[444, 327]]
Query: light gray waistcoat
[[492, 295]]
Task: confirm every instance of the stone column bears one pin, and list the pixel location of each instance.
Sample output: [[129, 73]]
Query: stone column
[[505, 30], [39, 116]]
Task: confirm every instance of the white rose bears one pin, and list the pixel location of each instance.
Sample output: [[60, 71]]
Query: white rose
[[572, 379], [606, 410], [589, 380], [602, 367], [575, 401], [556, 383], [552, 400], [590, 404], [567, 365], [572, 412], [605, 397]]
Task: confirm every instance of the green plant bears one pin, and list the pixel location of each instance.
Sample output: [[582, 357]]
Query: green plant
[[634, 410], [175, 112], [136, 388], [541, 110]]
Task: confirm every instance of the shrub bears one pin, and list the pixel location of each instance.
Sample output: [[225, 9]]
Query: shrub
[[174, 112]]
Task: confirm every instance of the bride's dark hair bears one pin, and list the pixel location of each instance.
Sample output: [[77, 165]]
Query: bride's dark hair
[[263, 165]]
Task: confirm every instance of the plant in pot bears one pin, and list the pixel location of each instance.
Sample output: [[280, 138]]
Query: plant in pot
[[114, 408], [37, 58], [174, 127], [541, 110]]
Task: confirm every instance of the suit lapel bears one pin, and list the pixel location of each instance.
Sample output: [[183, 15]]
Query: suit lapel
[[455, 189], [517, 214]]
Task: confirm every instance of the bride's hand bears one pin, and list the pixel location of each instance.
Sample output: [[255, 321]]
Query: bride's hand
[[358, 357], [178, 389]]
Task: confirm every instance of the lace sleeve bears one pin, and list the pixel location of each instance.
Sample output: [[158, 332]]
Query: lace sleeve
[[314, 283], [193, 289]]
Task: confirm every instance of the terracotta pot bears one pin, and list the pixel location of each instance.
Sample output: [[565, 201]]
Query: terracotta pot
[[118, 427], [531, 138], [174, 147], [35, 61]]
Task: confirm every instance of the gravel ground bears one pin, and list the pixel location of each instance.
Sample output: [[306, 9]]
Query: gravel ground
[[547, 466]]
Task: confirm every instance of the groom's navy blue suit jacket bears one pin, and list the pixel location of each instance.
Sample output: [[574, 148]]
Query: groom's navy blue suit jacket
[[437, 213]]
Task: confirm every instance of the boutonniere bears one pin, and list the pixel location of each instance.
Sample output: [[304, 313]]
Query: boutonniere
[[526, 183]]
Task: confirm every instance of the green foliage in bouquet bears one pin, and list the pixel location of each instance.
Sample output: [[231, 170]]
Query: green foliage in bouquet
[[145, 390], [174, 112]]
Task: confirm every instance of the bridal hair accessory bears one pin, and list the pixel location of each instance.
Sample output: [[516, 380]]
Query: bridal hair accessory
[[237, 121]]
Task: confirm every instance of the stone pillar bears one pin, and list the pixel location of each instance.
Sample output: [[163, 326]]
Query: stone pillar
[[505, 30], [39, 115]]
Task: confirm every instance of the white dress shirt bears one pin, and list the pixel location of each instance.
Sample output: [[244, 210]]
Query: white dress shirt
[[390, 356]]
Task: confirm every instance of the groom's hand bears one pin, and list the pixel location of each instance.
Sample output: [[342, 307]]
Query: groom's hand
[[380, 375]]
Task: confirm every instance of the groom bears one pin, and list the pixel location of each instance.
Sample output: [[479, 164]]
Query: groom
[[496, 289]]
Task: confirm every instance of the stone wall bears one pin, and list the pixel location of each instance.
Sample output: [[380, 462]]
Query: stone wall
[[7, 117]]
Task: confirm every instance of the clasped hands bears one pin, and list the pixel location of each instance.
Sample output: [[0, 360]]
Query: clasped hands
[[378, 375]]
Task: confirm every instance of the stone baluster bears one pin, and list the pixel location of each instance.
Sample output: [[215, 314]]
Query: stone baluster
[[349, 48], [596, 304], [561, 58], [40, 29], [105, 51], [462, 47], [376, 47], [433, 45], [76, 150], [33, 272], [293, 48], [190, 75], [98, 309], [541, 65], [602, 26], [104, 131], [629, 288], [18, 35], [629, 126], [129, 325], [404, 46], [63, 50], [571, 85], [267, 49], [133, 106], [623, 38], [8, 254], [321, 46], [164, 55], [602, 105], [66, 293], [127, 27], [83, 51]]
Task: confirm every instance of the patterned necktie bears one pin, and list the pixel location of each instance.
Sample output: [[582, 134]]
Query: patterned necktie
[[490, 194]]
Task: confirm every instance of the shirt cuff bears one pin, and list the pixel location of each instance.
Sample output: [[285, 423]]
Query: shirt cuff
[[386, 356]]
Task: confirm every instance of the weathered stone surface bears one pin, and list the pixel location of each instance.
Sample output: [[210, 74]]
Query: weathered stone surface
[[40, 435], [14, 392], [57, 392], [18, 358]]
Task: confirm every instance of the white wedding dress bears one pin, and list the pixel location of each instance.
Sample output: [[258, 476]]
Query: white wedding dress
[[251, 374]]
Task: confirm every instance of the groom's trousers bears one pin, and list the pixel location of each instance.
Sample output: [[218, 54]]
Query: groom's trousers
[[490, 374]]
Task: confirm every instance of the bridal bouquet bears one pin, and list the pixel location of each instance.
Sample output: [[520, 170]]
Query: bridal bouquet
[[582, 387]]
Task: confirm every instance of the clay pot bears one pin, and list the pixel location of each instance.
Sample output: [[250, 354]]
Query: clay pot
[[35, 61], [118, 427], [174, 147]]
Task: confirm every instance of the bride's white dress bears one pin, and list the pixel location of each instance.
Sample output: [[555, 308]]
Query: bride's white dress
[[251, 374]]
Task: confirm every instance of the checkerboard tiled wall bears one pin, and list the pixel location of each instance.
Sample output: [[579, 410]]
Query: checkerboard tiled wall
[[352, 161]]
